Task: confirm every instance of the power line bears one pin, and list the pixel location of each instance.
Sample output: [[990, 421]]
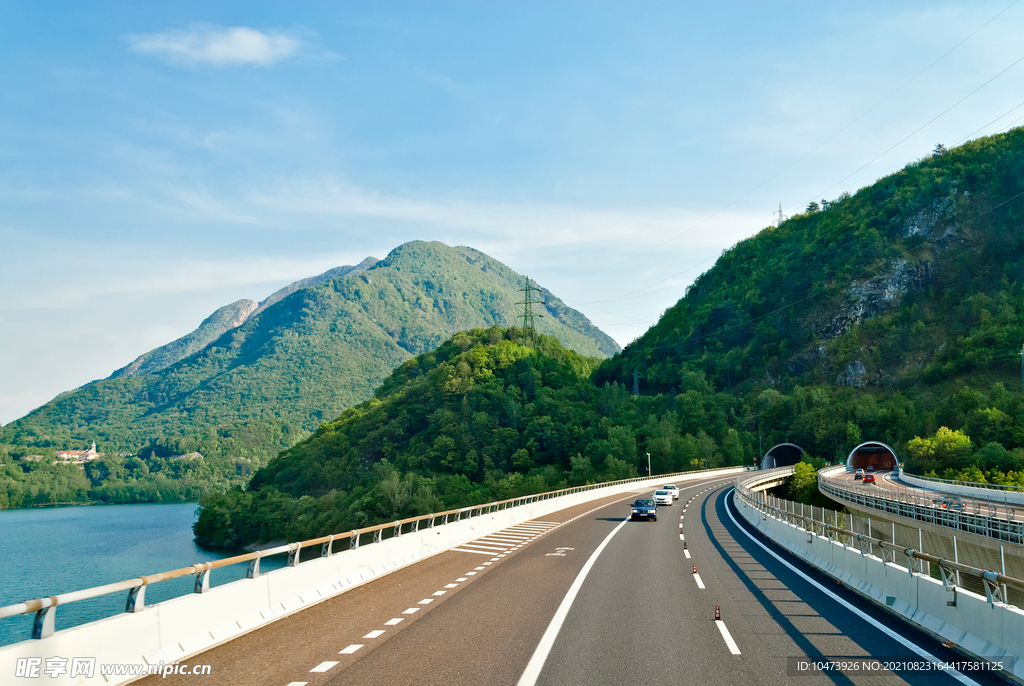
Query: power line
[[817, 147]]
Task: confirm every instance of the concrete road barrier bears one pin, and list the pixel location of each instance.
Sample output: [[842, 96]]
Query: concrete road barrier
[[177, 629]]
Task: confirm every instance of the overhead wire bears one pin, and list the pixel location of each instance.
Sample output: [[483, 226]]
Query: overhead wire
[[810, 152]]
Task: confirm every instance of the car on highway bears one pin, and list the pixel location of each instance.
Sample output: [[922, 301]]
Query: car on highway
[[673, 488], [858, 474], [663, 497], [869, 478], [950, 502], [644, 508]]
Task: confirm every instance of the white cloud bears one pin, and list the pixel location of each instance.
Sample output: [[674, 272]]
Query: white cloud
[[220, 46]]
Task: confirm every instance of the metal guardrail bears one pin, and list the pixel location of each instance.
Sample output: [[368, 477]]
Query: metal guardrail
[[975, 518], [995, 584], [973, 484], [45, 608]]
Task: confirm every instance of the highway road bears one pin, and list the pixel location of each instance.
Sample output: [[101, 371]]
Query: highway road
[[584, 597], [889, 484]]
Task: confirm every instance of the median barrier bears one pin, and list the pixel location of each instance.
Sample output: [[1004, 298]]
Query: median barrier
[[177, 629], [983, 627]]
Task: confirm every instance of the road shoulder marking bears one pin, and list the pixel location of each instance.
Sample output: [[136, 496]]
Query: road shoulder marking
[[547, 641]]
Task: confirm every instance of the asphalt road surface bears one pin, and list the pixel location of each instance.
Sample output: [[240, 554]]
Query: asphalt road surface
[[584, 597]]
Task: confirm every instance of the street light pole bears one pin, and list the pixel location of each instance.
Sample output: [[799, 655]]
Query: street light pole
[[648, 465]]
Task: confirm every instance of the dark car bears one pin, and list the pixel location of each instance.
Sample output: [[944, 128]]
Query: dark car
[[644, 508]]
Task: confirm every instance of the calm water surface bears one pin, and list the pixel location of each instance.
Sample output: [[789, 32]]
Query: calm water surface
[[55, 550]]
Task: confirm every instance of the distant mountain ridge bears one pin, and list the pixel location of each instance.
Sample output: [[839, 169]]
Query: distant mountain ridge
[[223, 320], [261, 386]]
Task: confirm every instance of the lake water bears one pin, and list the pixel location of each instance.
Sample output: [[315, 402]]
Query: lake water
[[55, 550]]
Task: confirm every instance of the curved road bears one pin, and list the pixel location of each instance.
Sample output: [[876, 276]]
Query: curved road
[[503, 611], [888, 484]]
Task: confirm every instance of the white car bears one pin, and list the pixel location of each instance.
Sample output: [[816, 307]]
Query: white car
[[673, 489], [663, 497]]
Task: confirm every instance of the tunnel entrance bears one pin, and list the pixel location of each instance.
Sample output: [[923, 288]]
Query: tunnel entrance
[[871, 454], [782, 455]]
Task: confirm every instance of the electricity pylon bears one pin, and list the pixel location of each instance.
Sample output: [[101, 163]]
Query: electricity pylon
[[527, 316]]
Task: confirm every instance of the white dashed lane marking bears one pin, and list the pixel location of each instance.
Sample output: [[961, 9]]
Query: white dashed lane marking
[[733, 648], [323, 666], [351, 649], [374, 634], [392, 622]]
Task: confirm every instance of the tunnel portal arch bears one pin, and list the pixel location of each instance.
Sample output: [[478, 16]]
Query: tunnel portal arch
[[872, 454], [782, 455]]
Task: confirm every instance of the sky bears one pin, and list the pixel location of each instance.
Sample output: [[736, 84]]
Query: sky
[[160, 160]]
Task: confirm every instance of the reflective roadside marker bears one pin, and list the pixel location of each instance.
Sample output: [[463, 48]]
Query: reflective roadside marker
[[695, 569], [684, 545], [718, 613]]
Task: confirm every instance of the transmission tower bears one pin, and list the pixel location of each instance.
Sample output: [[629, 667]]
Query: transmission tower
[[527, 316], [780, 217]]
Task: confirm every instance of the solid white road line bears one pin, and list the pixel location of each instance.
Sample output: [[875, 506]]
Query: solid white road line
[[855, 610], [351, 649], [700, 584], [323, 666], [547, 641], [392, 622], [733, 648], [374, 634]]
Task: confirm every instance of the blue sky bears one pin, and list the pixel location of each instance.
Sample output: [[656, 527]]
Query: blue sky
[[159, 160]]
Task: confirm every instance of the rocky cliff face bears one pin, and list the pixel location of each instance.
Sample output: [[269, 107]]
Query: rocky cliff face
[[868, 298]]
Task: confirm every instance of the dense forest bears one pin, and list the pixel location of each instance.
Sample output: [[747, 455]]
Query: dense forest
[[300, 359], [895, 315], [486, 416]]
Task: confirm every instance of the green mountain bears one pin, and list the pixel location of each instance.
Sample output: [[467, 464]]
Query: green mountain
[[895, 314], [484, 416], [262, 386], [884, 315], [223, 320]]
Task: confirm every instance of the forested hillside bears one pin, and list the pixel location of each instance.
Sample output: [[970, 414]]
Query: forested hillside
[[262, 386], [895, 314], [485, 416], [885, 315]]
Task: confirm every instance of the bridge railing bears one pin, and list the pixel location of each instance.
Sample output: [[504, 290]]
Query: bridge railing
[[815, 521], [975, 517], [45, 608], [1000, 488]]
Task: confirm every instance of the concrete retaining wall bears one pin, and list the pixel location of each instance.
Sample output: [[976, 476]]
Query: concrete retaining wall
[[996, 494], [179, 628], [990, 631]]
